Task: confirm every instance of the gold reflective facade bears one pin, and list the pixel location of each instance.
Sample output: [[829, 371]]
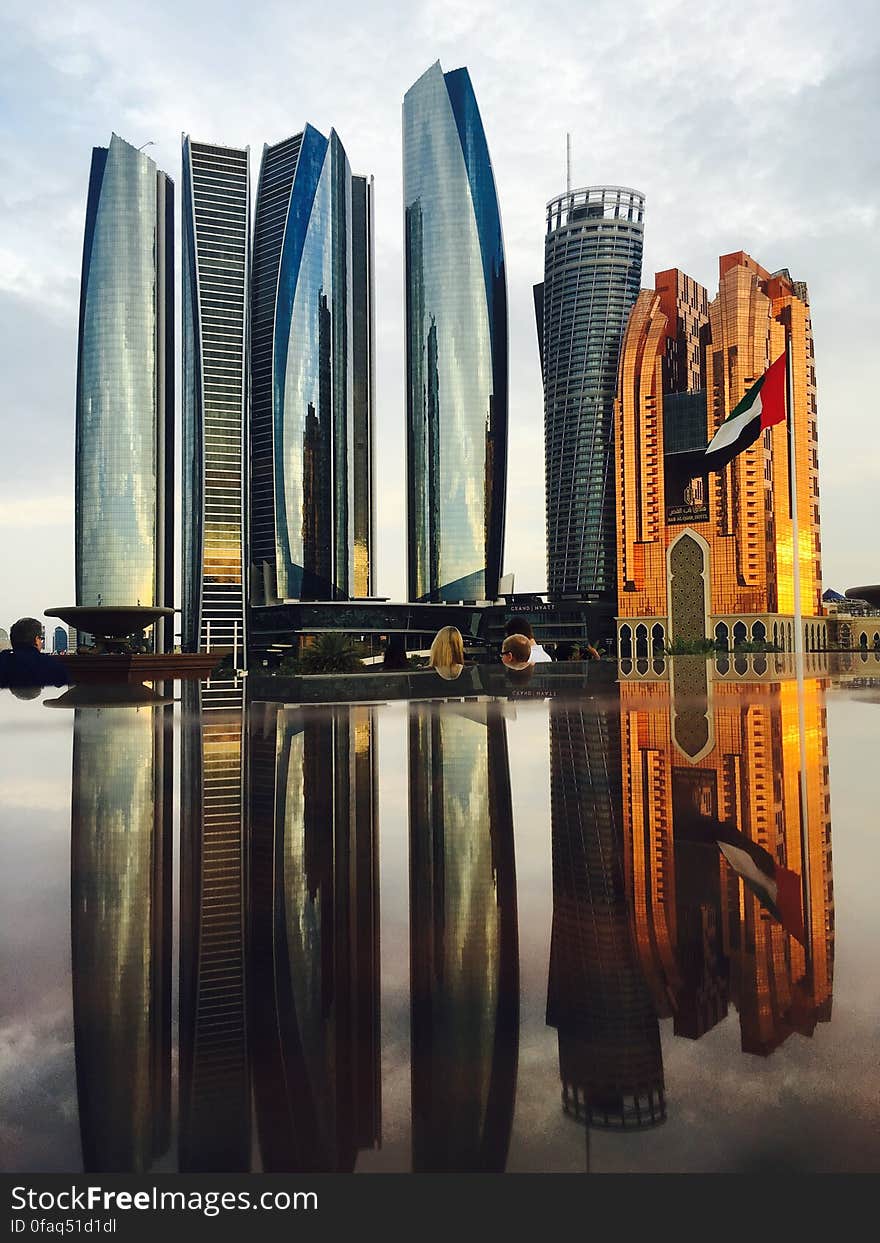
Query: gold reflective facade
[[711, 555], [704, 941]]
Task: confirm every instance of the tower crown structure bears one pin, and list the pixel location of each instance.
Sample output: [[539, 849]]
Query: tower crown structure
[[592, 271]]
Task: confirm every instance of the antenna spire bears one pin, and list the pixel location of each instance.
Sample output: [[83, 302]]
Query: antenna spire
[[568, 163]]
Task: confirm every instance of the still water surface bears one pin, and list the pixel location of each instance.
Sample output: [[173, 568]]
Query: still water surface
[[484, 927]]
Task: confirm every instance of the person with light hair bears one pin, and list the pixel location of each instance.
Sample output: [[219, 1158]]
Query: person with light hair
[[447, 653], [516, 653], [519, 625]]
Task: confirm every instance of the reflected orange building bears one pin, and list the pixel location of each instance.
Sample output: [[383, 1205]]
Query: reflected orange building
[[710, 556], [731, 752]]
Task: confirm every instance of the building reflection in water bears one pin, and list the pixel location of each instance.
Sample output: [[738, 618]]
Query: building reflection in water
[[698, 748], [214, 1126], [121, 925], [314, 961], [464, 954], [610, 1060]]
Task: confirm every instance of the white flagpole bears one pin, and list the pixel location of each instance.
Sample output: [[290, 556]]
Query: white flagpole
[[799, 650], [795, 539]]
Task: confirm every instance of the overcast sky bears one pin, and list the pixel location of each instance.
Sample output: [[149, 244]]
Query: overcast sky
[[748, 126]]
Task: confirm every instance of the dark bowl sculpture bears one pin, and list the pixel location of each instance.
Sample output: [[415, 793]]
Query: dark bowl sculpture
[[112, 696], [871, 595], [111, 625]]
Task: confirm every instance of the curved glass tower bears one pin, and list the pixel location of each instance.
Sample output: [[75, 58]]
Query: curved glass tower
[[456, 346], [216, 246], [302, 436], [120, 911], [592, 271], [125, 387]]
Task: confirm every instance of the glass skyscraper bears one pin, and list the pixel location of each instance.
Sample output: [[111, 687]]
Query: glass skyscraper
[[364, 396], [456, 344], [125, 387], [303, 347], [592, 271], [216, 261]]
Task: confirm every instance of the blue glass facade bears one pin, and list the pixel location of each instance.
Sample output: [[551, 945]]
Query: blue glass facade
[[456, 309], [216, 263], [592, 272], [125, 387], [302, 511]]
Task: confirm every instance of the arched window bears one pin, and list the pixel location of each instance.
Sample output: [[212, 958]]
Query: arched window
[[641, 641], [776, 634], [658, 639], [740, 634], [863, 641], [625, 643], [759, 632], [722, 636], [876, 641], [789, 646]]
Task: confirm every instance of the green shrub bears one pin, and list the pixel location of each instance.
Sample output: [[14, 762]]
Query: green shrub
[[330, 653], [691, 647]]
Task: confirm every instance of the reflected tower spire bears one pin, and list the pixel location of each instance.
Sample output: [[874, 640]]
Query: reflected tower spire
[[121, 931], [464, 949], [314, 963], [610, 1059]]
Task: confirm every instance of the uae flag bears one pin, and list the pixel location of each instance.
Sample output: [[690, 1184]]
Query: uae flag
[[776, 888], [763, 406]]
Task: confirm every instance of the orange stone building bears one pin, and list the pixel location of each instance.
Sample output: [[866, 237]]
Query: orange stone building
[[710, 556], [704, 941]]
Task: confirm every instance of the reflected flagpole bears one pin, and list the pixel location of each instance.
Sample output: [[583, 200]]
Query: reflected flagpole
[[798, 647]]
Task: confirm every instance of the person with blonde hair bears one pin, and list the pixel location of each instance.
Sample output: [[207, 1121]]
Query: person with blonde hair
[[447, 653]]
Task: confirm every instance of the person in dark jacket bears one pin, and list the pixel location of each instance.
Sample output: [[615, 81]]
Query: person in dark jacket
[[25, 663]]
